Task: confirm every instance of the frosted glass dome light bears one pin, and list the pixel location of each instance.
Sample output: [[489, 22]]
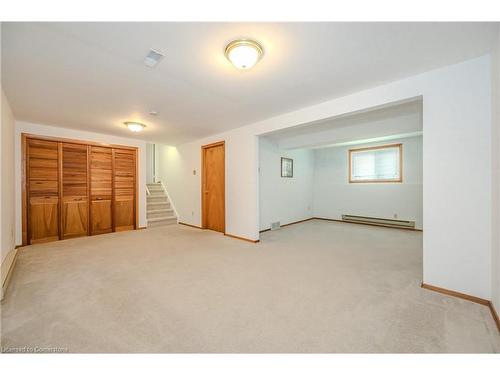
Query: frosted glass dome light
[[243, 53], [134, 126]]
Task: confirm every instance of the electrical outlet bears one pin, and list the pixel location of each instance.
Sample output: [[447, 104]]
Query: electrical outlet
[[395, 216], [194, 172]]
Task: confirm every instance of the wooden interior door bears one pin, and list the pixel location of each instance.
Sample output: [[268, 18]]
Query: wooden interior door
[[101, 190], [42, 179], [124, 182], [213, 187], [74, 181]]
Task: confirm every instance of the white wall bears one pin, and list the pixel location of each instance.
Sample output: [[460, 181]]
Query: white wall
[[149, 163], [7, 217], [38, 129], [457, 194], [284, 199], [368, 129], [334, 195]]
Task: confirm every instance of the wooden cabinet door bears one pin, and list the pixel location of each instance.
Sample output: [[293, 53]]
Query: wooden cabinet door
[[101, 190], [124, 189], [42, 177], [74, 183]]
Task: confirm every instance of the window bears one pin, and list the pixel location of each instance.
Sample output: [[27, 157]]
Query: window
[[376, 164]]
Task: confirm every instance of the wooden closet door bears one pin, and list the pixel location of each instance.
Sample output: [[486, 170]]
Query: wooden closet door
[[74, 181], [124, 189], [101, 190], [43, 190]]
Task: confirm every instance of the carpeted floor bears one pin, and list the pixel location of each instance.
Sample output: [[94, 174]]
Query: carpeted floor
[[312, 287]]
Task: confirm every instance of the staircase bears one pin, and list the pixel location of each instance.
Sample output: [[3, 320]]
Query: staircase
[[159, 211]]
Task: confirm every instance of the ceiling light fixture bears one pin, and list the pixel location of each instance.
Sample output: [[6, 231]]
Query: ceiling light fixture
[[243, 53], [134, 126]]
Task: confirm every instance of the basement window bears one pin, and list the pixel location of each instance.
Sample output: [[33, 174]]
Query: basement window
[[376, 164]]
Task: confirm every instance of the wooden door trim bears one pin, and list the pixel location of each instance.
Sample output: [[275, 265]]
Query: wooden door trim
[[77, 141], [136, 195], [24, 189], [89, 193], [203, 176], [60, 186], [113, 195]]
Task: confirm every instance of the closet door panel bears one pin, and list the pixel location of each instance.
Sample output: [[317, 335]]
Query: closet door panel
[[101, 190], [75, 219], [75, 190], [44, 217], [42, 190], [101, 221], [124, 214], [124, 189]]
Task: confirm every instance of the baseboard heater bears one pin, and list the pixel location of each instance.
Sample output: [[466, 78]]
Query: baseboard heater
[[379, 221]]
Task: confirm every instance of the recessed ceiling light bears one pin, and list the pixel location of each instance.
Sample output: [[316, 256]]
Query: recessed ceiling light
[[243, 53], [134, 126], [153, 58]]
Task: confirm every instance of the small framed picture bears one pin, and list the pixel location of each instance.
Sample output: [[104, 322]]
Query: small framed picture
[[286, 167]]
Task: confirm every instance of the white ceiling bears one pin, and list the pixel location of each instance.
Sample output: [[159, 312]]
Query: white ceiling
[[90, 76]]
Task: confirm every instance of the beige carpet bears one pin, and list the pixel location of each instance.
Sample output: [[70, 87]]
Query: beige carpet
[[312, 287]]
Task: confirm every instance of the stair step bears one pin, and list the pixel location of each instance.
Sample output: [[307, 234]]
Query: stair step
[[157, 198], [156, 210], [153, 214], [165, 220], [159, 193], [158, 206], [162, 218]]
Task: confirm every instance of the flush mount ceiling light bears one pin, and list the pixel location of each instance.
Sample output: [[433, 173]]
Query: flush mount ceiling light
[[243, 53], [134, 126]]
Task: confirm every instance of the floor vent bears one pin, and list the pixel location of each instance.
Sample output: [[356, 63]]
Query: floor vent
[[379, 221], [275, 225]]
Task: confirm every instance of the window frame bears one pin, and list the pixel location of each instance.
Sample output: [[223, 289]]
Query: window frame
[[387, 180]]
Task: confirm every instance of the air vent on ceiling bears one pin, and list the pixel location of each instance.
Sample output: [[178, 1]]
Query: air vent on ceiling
[[153, 58]]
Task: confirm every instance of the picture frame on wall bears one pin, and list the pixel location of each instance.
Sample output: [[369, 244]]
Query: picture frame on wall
[[286, 167]]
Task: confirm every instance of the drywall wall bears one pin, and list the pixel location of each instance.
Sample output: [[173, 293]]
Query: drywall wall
[[149, 163], [7, 192], [350, 130], [284, 199], [38, 129], [457, 205], [334, 195]]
